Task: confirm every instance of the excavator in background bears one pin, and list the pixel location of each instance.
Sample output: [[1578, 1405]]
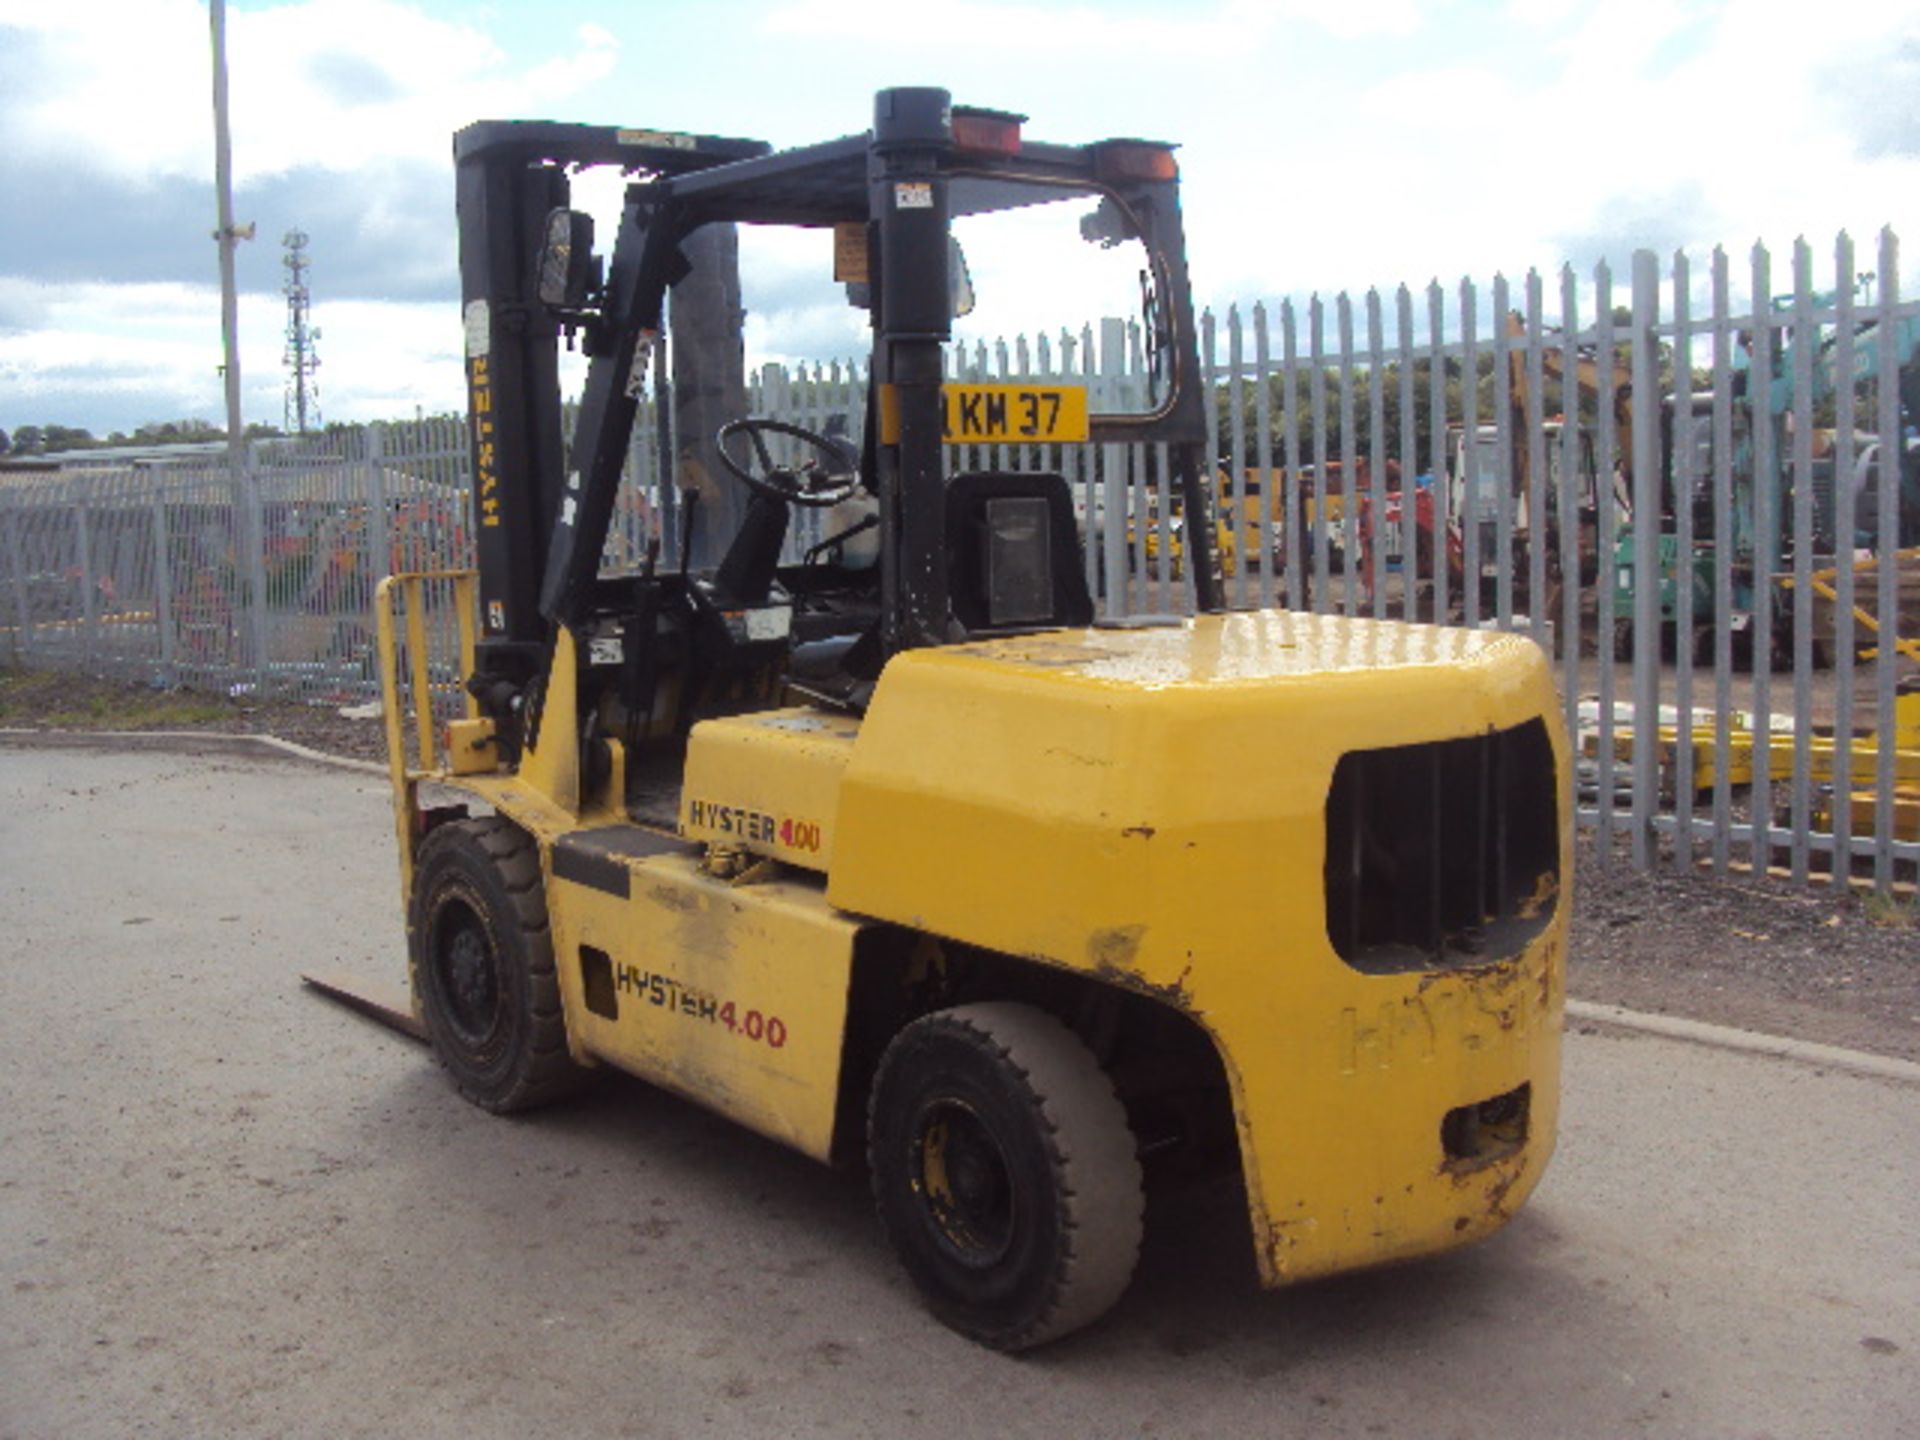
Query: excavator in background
[[1485, 454], [1760, 537], [911, 865], [1763, 477]]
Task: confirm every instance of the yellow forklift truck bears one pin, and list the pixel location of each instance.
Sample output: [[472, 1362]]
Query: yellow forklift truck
[[918, 865]]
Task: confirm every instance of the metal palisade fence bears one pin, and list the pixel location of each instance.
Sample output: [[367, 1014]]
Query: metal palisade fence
[[1707, 513]]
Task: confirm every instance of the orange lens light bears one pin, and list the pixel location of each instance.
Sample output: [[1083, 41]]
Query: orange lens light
[[987, 132], [1132, 160]]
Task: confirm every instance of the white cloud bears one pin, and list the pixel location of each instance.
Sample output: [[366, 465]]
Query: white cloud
[[1503, 136], [23, 305], [111, 357], [125, 85], [358, 88], [1541, 14], [394, 359], [99, 348], [1643, 123], [1080, 31]]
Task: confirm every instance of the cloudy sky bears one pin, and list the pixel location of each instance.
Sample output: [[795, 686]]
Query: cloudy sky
[[1326, 146]]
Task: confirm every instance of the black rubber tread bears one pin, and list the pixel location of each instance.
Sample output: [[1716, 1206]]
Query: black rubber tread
[[493, 865], [1092, 1181]]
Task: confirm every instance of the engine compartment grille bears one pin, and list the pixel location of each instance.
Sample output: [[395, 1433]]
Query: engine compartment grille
[[1443, 855]]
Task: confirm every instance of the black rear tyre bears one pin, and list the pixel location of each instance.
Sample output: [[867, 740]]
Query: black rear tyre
[[1004, 1172], [482, 961]]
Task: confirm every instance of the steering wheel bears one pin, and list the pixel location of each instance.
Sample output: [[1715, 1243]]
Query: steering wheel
[[811, 487]]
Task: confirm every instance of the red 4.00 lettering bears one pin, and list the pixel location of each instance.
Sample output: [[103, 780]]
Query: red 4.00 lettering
[[751, 1023], [799, 835]]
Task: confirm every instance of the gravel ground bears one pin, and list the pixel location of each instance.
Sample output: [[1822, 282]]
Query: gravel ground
[[1751, 952], [230, 1208], [1759, 954]]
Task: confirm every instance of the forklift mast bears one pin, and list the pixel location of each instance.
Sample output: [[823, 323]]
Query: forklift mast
[[511, 176]]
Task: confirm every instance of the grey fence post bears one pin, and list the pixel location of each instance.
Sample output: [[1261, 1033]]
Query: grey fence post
[[1684, 488], [17, 563], [1375, 568], [1263, 545], [1845, 530], [379, 509], [1470, 479], [1646, 551], [1442, 483], [1539, 493], [1349, 462], [1606, 453], [162, 576], [1502, 479], [1409, 464], [1886, 532], [256, 542], [1246, 551], [1293, 535], [83, 548], [1113, 481]]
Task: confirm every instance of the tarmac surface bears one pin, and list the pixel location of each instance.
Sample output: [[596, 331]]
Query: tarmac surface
[[229, 1207]]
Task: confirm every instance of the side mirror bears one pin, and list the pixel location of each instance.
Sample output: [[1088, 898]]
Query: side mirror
[[1107, 225], [566, 269], [1157, 326], [959, 282]]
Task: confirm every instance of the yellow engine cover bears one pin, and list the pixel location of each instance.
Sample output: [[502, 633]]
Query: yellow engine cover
[[768, 782]]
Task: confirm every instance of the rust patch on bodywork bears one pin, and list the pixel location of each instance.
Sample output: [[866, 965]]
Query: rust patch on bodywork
[[1112, 954], [1495, 1203], [1540, 902], [673, 898], [1114, 948]]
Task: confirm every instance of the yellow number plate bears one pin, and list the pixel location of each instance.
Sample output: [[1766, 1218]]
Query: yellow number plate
[[1001, 414]]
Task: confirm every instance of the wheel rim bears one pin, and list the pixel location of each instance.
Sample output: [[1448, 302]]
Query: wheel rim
[[964, 1184], [468, 975]]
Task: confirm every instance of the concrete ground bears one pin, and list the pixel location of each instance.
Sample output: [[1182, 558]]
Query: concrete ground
[[228, 1207]]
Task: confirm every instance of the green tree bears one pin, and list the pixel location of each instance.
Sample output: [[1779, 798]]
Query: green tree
[[177, 432], [1347, 397], [66, 437]]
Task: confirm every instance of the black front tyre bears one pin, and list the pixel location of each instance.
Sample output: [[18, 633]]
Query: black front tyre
[[1005, 1174], [482, 960]]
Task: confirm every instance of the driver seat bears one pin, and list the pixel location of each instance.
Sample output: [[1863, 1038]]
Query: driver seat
[[746, 571]]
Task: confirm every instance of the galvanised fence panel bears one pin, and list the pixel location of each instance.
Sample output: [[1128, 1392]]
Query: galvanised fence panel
[[1705, 509]]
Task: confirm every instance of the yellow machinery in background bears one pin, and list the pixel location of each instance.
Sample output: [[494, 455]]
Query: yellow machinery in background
[[1899, 742], [920, 867]]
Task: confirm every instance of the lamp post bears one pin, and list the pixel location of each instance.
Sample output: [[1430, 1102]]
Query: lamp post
[[227, 237], [246, 509]]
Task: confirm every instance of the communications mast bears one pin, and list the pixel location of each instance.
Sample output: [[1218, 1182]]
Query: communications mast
[[301, 357]]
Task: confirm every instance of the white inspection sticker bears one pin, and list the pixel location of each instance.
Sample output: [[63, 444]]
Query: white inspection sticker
[[661, 139], [771, 623], [479, 333], [913, 195]]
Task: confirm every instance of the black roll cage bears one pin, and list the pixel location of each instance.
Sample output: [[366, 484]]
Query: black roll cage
[[543, 520]]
